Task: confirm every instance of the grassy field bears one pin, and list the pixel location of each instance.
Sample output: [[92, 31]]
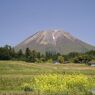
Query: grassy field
[[14, 73]]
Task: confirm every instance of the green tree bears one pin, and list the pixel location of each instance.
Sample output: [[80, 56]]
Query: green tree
[[20, 53], [33, 56], [83, 58], [69, 57], [28, 55], [91, 54], [4, 54], [27, 52]]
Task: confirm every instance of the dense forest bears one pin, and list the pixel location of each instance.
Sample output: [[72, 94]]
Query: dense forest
[[8, 53]]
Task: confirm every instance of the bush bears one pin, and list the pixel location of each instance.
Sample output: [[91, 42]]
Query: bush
[[26, 87], [61, 59]]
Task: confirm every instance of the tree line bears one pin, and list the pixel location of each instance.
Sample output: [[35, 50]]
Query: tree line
[[8, 53]]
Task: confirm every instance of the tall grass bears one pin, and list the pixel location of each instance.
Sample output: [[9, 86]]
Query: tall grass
[[14, 73]]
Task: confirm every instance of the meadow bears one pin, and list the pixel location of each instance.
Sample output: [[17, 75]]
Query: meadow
[[13, 74]]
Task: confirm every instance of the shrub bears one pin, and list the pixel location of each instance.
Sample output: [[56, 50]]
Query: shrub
[[26, 87], [61, 59]]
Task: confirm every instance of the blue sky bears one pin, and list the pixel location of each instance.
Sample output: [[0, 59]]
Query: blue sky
[[20, 19]]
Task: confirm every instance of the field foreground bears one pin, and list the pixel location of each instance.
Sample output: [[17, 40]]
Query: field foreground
[[14, 73]]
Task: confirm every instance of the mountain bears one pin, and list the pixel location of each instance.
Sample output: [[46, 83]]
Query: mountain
[[54, 41]]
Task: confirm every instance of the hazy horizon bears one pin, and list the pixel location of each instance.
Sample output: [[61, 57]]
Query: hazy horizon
[[20, 19]]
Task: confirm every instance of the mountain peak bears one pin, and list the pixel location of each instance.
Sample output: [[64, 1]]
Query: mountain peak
[[56, 33]]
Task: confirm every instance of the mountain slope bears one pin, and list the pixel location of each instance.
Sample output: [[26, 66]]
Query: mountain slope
[[54, 41]]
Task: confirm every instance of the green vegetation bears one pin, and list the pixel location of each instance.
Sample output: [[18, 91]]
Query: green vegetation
[[13, 74], [61, 59], [8, 53], [33, 73]]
